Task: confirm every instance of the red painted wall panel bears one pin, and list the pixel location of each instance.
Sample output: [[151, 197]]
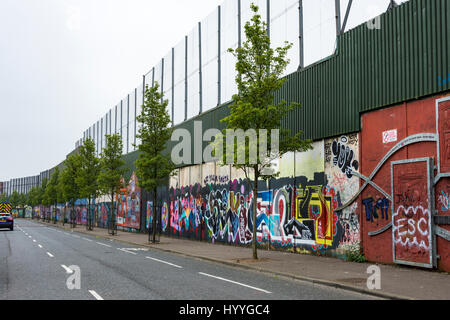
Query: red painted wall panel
[[407, 119]]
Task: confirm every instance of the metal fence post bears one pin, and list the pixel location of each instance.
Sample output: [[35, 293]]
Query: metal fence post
[[200, 67], [173, 86], [219, 57], [162, 80], [338, 17], [128, 122], [268, 18], [300, 36], [239, 24], [185, 77]]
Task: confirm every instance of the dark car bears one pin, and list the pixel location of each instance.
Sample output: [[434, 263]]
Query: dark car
[[6, 221]]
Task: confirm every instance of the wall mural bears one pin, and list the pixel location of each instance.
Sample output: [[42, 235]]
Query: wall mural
[[296, 212], [129, 205], [341, 160], [288, 215]]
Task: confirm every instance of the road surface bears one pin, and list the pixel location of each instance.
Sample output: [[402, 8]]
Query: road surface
[[43, 262]]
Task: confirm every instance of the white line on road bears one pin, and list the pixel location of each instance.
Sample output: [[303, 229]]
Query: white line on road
[[170, 264], [104, 244], [34, 240], [50, 255], [87, 239], [124, 250], [68, 270], [238, 283], [95, 294], [39, 246], [75, 236]]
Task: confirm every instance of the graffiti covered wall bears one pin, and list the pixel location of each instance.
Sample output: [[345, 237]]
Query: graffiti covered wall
[[341, 161], [129, 205], [296, 212]]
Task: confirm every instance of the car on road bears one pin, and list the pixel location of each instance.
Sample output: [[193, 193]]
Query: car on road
[[6, 221]]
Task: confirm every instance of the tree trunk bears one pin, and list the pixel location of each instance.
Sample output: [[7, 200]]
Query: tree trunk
[[113, 215], [154, 216], [73, 214], [255, 204], [89, 218]]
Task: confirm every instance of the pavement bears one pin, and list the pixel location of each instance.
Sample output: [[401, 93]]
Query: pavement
[[397, 282]]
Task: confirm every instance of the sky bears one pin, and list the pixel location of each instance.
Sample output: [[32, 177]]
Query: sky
[[65, 63]]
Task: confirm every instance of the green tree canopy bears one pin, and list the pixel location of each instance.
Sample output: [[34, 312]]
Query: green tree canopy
[[259, 74], [87, 180], [22, 200], [111, 171], [69, 187], [3, 198], [153, 167], [50, 192], [14, 199], [51, 195]]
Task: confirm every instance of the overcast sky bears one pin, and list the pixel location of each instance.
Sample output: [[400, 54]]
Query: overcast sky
[[65, 63]]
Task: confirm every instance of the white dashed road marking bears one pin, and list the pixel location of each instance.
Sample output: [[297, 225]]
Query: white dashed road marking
[[170, 264], [238, 283], [50, 255], [95, 294], [106, 245], [68, 270], [125, 250]]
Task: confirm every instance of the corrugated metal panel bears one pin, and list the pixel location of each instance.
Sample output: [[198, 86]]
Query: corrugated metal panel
[[371, 69]]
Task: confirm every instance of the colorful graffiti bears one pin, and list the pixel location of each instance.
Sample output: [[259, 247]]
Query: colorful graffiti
[[412, 233], [129, 206], [444, 201], [371, 206], [149, 212], [287, 217], [349, 221], [102, 214], [343, 156]]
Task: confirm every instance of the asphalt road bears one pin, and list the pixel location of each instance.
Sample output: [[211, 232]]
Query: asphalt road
[[36, 262]]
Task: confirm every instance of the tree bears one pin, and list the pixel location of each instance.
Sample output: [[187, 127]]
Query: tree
[[87, 179], [259, 71], [152, 166], [41, 194], [69, 186], [111, 172], [60, 195], [30, 197], [51, 196], [3, 198], [22, 200], [14, 199], [34, 198], [47, 199]]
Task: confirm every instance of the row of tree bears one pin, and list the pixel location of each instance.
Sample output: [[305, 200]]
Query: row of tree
[[259, 71], [86, 176]]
